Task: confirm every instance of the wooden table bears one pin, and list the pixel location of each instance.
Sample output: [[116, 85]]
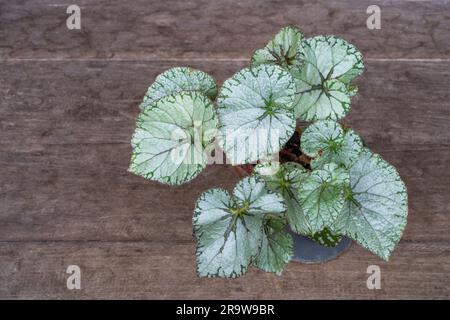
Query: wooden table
[[69, 101]]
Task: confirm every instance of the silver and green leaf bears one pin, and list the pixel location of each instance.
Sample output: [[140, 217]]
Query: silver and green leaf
[[329, 64], [256, 113], [281, 50], [170, 139], [229, 228], [322, 196], [376, 208], [326, 141], [176, 80], [276, 247], [287, 181]]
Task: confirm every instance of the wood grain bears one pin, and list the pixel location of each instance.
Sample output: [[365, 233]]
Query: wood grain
[[61, 102], [85, 193], [167, 270], [233, 29], [66, 149], [69, 104]]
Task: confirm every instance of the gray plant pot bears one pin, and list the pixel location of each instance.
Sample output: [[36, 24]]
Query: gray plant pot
[[308, 251]]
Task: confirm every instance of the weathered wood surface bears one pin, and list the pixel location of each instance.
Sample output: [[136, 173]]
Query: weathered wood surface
[[216, 29], [65, 148], [141, 269], [66, 197]]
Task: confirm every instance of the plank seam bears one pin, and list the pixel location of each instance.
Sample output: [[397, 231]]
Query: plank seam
[[197, 60], [404, 241]]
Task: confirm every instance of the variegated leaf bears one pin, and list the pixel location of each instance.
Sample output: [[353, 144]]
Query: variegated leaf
[[281, 50], [287, 181], [229, 228], [322, 196], [376, 208], [255, 113], [323, 80], [276, 247], [171, 137], [176, 80], [327, 141]]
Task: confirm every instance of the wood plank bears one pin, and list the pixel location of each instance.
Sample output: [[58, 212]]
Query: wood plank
[[186, 29], [83, 192], [167, 270], [68, 107], [65, 149], [405, 105], [80, 102]]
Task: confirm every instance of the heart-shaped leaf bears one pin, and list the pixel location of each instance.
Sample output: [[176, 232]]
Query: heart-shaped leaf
[[176, 80], [322, 196], [281, 50], [276, 247], [255, 112], [287, 181], [327, 141], [323, 80], [229, 228], [171, 137], [375, 211]]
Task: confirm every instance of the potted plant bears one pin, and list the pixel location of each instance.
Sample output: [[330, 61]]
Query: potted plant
[[305, 191]]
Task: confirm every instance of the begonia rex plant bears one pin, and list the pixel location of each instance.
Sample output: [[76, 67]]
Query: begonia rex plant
[[320, 181]]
